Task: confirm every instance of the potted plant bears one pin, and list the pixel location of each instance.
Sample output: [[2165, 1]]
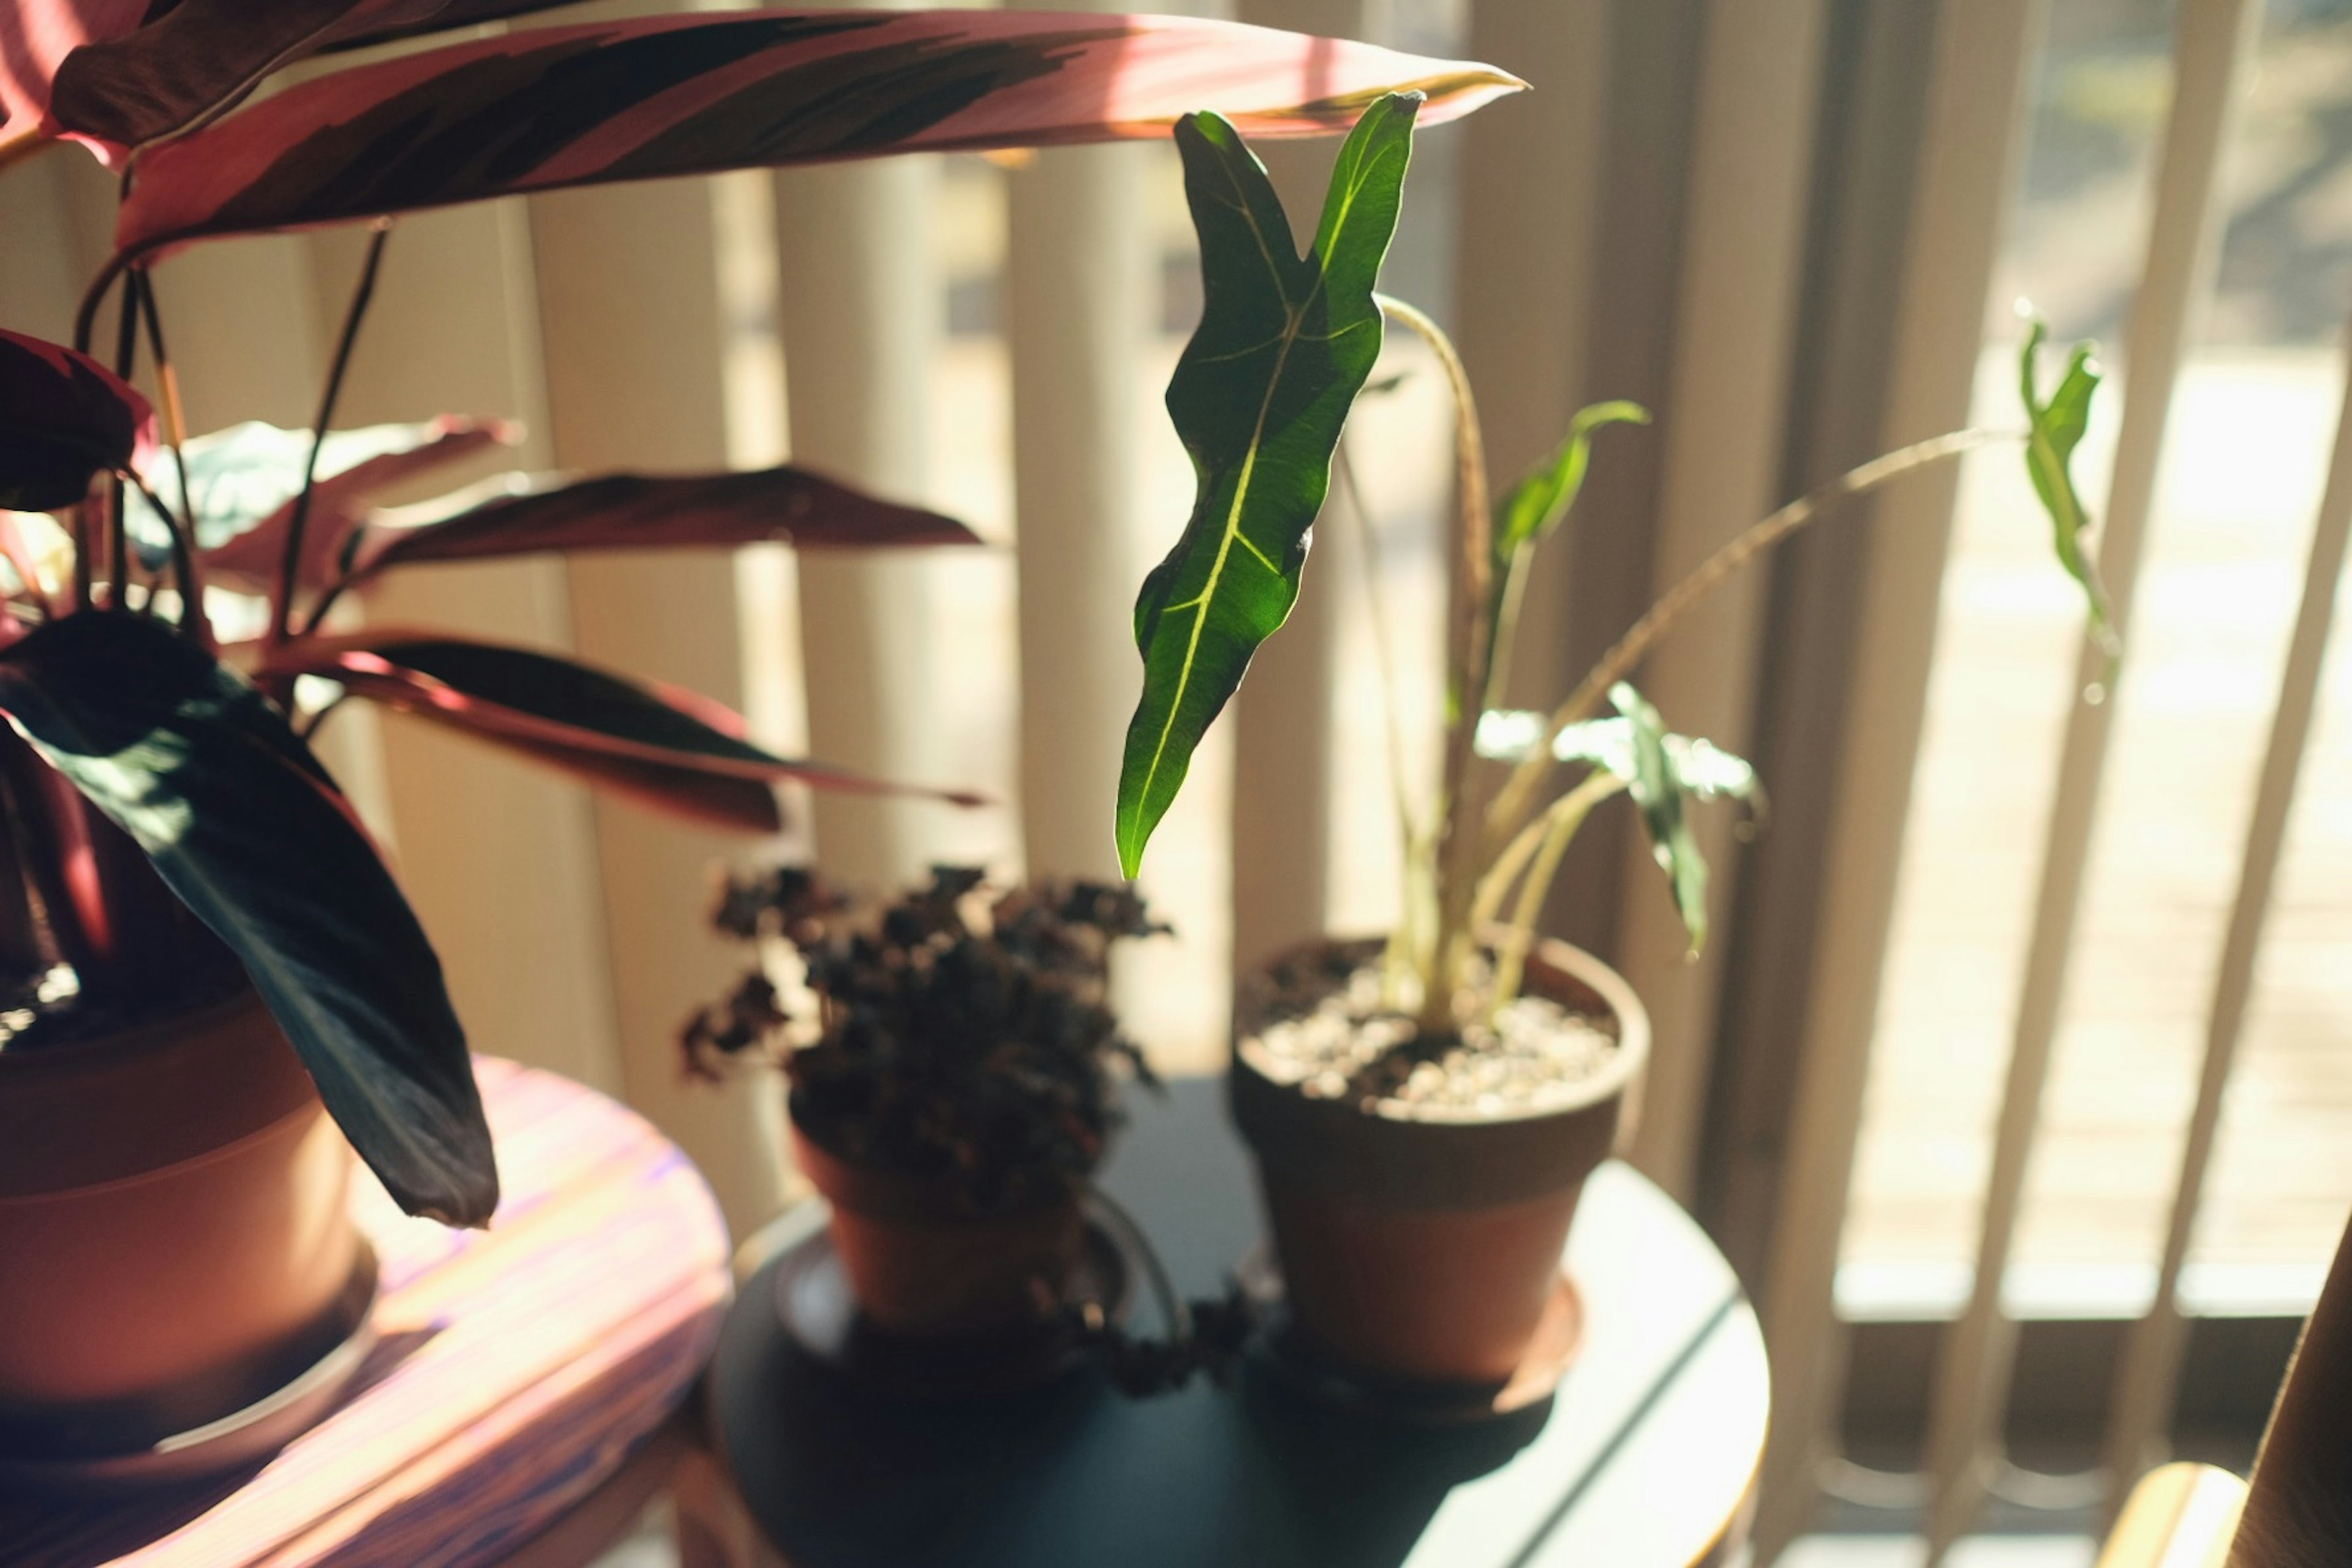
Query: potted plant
[[1425, 1109], [203, 960], [955, 1067]]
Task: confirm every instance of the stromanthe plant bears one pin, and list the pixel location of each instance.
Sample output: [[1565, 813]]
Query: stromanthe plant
[[1261, 397], [165, 651]]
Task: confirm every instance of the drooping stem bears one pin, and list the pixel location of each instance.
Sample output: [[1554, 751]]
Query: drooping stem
[[1468, 640], [1559, 823], [290, 562], [193, 622], [1516, 802]]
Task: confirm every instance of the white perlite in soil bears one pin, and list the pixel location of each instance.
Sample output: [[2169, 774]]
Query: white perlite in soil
[[1534, 1056]]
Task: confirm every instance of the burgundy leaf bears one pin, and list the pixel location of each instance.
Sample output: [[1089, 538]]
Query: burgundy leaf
[[674, 749], [204, 56], [632, 511], [249, 562], [64, 419], [648, 96]]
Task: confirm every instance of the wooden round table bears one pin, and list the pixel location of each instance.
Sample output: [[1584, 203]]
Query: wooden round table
[[517, 1369], [1645, 1457]]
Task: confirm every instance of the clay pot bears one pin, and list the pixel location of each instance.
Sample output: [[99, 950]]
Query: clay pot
[[1423, 1252], [921, 1265], [175, 1231]]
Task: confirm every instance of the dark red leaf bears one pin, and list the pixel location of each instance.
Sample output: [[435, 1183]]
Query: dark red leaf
[[64, 419], [634, 511], [639, 737], [339, 502], [647, 97]]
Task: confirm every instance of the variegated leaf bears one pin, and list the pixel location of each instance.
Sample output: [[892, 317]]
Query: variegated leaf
[[638, 99]]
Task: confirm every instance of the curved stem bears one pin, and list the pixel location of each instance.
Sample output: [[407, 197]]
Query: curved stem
[[1513, 806], [126, 356], [193, 622], [290, 562], [1560, 825], [1469, 642]]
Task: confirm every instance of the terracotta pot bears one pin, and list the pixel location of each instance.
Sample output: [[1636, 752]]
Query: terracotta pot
[[921, 1265], [1424, 1251], [173, 1223]]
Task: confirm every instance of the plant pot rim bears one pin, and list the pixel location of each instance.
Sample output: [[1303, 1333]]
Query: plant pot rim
[[1552, 966], [96, 1054], [889, 1192]]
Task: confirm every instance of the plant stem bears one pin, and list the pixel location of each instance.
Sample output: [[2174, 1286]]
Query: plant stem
[[1559, 823], [126, 356], [194, 622], [1513, 807], [1468, 638], [290, 562]]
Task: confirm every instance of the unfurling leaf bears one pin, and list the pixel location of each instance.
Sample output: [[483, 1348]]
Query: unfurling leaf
[[642, 98], [64, 419], [1539, 503], [1259, 398], [1661, 770], [2055, 429], [634, 511], [665, 747], [246, 826]]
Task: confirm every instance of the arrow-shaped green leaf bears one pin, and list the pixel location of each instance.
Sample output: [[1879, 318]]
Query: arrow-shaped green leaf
[[1259, 398]]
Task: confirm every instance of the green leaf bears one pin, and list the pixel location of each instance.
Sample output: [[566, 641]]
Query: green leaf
[[2055, 429], [245, 826], [1539, 503], [1259, 398], [1661, 772]]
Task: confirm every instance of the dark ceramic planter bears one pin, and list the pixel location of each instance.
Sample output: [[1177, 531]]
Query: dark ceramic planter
[[1424, 1252], [921, 1265]]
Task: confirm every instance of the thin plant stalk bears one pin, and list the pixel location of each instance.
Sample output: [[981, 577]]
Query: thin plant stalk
[[289, 563], [1561, 822], [126, 355], [1468, 639], [1515, 804], [193, 622]]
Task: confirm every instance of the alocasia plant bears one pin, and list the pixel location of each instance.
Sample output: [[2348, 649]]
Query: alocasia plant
[[150, 772], [1261, 397]]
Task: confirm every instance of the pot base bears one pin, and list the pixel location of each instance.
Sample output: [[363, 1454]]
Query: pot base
[[164, 1441], [818, 1313], [1281, 1350]]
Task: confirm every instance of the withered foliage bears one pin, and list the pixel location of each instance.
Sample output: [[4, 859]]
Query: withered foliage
[[954, 1033]]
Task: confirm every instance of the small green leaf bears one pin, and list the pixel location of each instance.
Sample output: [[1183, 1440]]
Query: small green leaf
[[1661, 770], [1259, 398], [2055, 429], [1541, 502]]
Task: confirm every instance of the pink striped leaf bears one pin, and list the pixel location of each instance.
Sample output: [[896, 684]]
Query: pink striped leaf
[[674, 750], [648, 96], [64, 419], [636, 512], [204, 56], [114, 74]]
